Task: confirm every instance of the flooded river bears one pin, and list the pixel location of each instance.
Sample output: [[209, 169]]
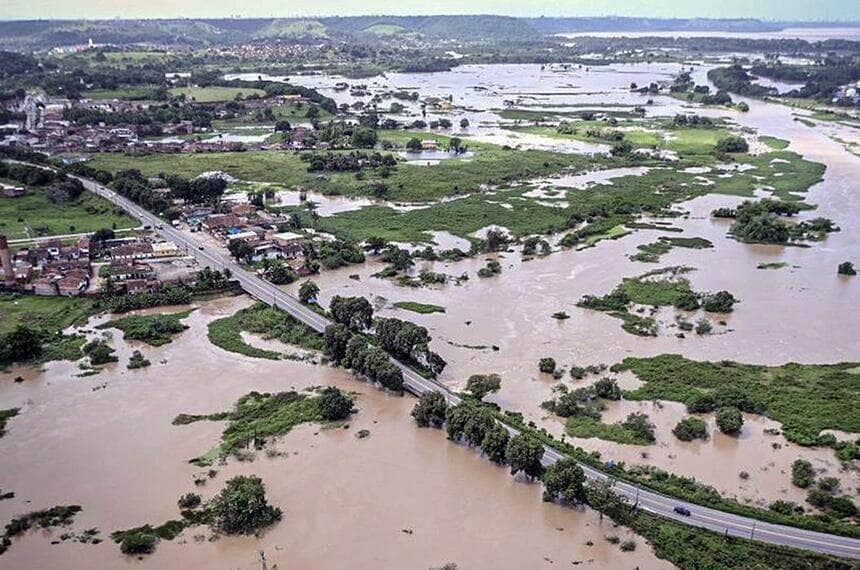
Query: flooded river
[[401, 498]]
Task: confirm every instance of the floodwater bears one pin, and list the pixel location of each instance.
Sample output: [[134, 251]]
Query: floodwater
[[795, 314], [811, 34], [401, 498]]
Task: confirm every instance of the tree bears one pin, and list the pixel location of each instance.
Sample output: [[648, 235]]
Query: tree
[[732, 143], [19, 345], [524, 453], [691, 428], [455, 144], [547, 365], [720, 302], [334, 404], [495, 443], [240, 249], [414, 145], [283, 126], [336, 337], [241, 507], [430, 410], [363, 137], [802, 473], [608, 389], [103, 234], [464, 123], [564, 480], [479, 385], [308, 292], [354, 312], [469, 422], [729, 420]]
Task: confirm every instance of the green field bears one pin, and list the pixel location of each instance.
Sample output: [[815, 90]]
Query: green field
[[215, 94], [87, 213], [272, 323], [489, 165], [422, 308], [804, 398], [51, 314]]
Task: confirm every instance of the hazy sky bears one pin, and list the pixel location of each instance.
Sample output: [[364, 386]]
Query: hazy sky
[[764, 9]]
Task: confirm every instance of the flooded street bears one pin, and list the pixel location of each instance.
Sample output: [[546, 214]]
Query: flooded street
[[401, 498]]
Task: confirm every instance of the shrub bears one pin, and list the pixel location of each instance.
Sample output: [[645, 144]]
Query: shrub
[[189, 501], [138, 543], [729, 420], [720, 302], [547, 365], [732, 143], [334, 404], [846, 268], [802, 473], [691, 428], [241, 507], [607, 388]]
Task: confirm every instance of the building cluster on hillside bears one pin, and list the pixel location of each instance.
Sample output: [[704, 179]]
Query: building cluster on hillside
[[44, 127], [133, 265]]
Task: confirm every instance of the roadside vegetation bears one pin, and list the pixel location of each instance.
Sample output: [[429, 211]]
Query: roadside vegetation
[[269, 322]]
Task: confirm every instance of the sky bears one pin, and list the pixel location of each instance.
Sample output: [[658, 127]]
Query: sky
[[783, 10]]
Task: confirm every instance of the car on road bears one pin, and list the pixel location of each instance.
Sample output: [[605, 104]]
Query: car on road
[[200, 247], [683, 511], [159, 227]]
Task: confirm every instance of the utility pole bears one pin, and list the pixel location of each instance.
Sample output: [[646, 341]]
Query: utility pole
[[752, 531]]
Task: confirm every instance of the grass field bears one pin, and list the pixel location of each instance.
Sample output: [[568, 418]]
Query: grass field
[[260, 319], [422, 308], [215, 94], [51, 314], [88, 213], [490, 165]]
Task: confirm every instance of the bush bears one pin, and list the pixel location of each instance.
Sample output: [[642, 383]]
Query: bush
[[802, 473], [691, 428], [138, 543], [729, 420], [334, 404], [547, 365], [640, 426], [241, 507], [720, 302], [607, 388], [732, 144], [189, 501], [846, 268]]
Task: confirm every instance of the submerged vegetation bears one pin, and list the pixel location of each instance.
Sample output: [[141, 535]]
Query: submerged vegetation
[[257, 417], [805, 398], [261, 319], [155, 330]]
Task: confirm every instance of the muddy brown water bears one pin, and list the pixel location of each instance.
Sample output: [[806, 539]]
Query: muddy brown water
[[401, 498], [796, 314]]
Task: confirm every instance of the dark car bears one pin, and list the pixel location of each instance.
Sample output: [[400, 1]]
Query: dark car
[[683, 511]]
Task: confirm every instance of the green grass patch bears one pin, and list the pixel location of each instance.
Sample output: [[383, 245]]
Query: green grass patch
[[34, 215], [48, 314], [261, 319], [214, 94], [588, 427], [423, 308], [805, 399], [490, 165], [774, 142], [256, 417], [155, 330]]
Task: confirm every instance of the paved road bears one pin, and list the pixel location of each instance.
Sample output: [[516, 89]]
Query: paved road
[[702, 517]]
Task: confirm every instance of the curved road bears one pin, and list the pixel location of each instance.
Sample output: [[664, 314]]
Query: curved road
[[702, 517]]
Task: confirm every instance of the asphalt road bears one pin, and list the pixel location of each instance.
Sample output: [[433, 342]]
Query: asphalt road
[[702, 517]]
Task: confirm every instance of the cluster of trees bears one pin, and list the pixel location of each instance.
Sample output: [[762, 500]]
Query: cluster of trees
[[133, 185], [201, 190], [334, 254], [409, 342], [59, 188], [207, 280], [347, 162], [760, 222], [820, 81], [735, 78], [149, 119], [684, 120], [362, 357]]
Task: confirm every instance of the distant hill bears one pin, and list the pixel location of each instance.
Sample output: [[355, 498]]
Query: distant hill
[[44, 34]]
